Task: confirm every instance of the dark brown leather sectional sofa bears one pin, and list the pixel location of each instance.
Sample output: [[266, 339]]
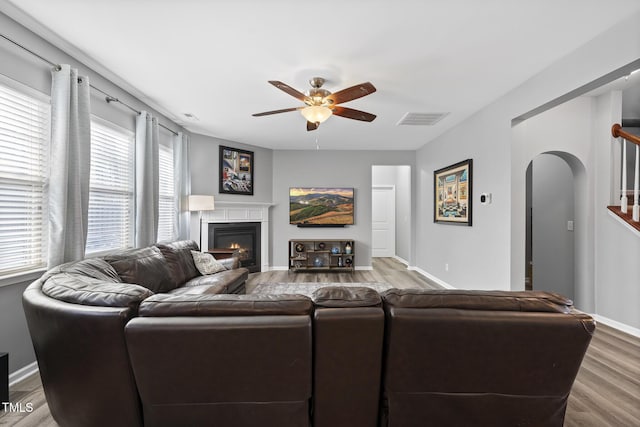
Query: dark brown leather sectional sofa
[[113, 353]]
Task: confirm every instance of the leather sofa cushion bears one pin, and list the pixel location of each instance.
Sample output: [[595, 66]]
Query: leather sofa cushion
[[96, 268], [145, 266], [179, 260], [164, 305], [76, 289], [531, 301], [228, 277], [213, 289], [340, 296]]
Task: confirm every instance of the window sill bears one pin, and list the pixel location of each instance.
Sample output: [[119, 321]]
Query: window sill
[[21, 277]]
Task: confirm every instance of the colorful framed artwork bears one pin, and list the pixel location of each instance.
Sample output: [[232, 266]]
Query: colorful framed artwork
[[237, 170], [452, 193]]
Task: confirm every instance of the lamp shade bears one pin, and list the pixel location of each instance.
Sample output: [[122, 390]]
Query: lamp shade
[[201, 203], [316, 113]]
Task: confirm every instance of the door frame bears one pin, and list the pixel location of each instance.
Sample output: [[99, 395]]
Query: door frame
[[391, 188]]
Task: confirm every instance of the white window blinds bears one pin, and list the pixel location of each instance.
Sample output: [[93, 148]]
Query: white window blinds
[[24, 142], [111, 188], [167, 204]]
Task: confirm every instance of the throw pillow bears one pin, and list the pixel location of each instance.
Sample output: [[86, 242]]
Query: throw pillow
[[206, 263]]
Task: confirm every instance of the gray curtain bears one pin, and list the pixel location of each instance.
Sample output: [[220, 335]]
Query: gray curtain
[[70, 166], [183, 183], [147, 180]]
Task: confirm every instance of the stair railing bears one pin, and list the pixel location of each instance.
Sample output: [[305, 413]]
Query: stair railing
[[617, 132]]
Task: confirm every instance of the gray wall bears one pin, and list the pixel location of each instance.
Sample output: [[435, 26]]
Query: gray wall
[[553, 203], [204, 162], [491, 254], [400, 177], [306, 168], [32, 72]]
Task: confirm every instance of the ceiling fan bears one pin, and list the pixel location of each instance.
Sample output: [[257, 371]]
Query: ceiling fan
[[320, 104]]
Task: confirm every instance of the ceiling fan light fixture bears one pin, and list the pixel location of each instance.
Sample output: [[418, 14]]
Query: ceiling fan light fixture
[[316, 113]]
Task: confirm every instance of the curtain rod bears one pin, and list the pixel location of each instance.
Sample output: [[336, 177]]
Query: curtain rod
[[57, 67]]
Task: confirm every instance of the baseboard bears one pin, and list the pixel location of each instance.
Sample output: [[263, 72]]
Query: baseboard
[[284, 268], [431, 277], [402, 260], [617, 325], [23, 373]]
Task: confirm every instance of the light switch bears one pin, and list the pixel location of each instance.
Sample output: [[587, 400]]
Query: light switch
[[570, 225]]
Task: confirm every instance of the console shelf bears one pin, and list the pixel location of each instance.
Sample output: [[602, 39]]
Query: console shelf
[[325, 254]]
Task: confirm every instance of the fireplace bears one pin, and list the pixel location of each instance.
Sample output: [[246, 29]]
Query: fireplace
[[243, 236]]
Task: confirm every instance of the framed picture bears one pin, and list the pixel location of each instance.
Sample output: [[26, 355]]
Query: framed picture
[[452, 193], [236, 171]]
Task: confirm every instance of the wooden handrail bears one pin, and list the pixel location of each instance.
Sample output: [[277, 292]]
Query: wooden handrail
[[617, 132]]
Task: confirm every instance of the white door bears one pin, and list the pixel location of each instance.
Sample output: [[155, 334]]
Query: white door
[[383, 221]]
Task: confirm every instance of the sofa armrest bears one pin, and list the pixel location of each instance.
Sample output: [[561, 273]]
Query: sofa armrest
[[83, 360], [230, 263]]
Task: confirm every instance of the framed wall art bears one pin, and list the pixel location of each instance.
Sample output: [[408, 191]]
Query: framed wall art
[[452, 193], [237, 170]]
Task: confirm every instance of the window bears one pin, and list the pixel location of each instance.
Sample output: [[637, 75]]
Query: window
[[111, 188], [167, 203], [24, 144]]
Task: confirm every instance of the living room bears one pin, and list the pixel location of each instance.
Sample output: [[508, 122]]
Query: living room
[[500, 138]]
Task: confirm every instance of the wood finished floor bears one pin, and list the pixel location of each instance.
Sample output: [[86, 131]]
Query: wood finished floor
[[606, 392]]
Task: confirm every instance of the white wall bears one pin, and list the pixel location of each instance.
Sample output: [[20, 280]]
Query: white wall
[[400, 178], [617, 250], [565, 131]]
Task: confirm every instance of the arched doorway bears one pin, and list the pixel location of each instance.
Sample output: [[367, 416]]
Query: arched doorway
[[556, 254]]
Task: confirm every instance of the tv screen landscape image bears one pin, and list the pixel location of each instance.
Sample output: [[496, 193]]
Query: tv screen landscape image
[[319, 206]]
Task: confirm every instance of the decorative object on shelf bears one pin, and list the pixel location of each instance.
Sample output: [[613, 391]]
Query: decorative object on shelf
[[236, 171], [452, 193], [326, 254], [347, 248]]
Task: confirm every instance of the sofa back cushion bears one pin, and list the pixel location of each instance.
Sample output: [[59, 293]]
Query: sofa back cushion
[[96, 268], [165, 305], [344, 297], [179, 260], [145, 267], [479, 300]]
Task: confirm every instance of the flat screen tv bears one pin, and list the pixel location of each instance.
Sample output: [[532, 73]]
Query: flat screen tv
[[320, 206]]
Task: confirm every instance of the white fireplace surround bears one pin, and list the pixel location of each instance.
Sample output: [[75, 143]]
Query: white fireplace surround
[[233, 212]]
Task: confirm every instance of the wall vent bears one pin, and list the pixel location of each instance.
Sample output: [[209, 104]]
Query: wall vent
[[421, 119]]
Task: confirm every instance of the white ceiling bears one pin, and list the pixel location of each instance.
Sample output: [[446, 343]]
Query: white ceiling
[[213, 58]]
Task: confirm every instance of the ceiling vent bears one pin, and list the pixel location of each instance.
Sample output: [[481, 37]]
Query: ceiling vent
[[421, 119], [192, 117]]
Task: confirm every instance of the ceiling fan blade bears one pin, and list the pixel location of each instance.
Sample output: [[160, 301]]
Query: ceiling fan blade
[[286, 110], [350, 113], [351, 93], [312, 126], [288, 89]]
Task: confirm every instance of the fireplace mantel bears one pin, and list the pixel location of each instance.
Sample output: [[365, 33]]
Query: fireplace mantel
[[232, 212]]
